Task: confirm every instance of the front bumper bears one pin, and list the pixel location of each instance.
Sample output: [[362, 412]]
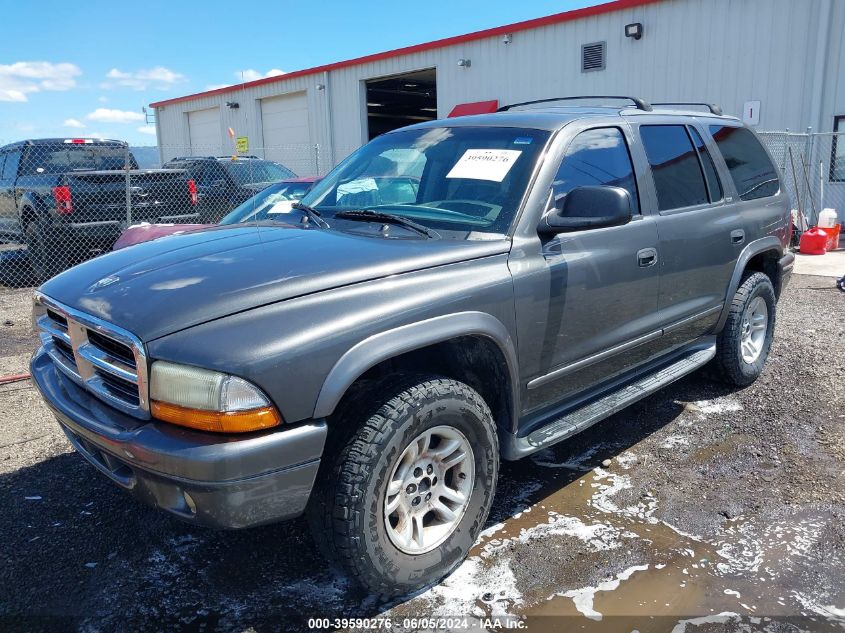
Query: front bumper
[[223, 481]]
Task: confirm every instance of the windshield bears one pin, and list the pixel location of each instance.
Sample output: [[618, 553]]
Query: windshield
[[468, 179], [57, 159], [245, 172], [271, 203]]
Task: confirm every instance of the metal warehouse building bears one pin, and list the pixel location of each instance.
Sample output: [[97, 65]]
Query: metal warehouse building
[[779, 64]]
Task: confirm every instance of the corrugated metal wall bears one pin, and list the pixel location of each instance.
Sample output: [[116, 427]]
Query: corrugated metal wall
[[788, 54]]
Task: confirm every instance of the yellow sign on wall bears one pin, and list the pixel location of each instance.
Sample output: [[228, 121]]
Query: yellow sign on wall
[[242, 143]]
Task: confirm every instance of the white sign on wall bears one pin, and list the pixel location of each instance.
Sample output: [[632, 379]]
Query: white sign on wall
[[751, 113]]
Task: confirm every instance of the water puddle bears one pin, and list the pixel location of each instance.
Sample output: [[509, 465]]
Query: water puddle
[[656, 576]]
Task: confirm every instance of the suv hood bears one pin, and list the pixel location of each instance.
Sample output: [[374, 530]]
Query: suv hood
[[162, 286]]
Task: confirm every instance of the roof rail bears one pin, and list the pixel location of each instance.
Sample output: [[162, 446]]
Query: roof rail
[[639, 103], [714, 109]]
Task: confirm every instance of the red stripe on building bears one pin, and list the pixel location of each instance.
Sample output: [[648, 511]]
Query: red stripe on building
[[557, 18]]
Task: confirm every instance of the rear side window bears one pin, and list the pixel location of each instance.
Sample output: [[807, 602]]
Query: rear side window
[[10, 166], [714, 186], [751, 170], [597, 157], [678, 177]]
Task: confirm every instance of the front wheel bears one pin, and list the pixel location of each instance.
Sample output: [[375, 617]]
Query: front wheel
[[743, 345], [408, 494]]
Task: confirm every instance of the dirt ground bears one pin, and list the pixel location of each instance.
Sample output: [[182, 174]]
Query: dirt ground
[[699, 509]]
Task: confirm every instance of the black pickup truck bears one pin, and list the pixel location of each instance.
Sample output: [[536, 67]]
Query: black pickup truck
[[68, 198]]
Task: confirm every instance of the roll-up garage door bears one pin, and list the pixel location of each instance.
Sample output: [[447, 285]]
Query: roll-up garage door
[[284, 122], [206, 135]]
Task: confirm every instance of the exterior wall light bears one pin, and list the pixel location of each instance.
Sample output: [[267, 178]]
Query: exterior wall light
[[233, 105], [464, 63], [507, 38], [634, 30]]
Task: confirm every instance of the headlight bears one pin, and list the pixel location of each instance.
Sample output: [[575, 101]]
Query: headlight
[[208, 400]]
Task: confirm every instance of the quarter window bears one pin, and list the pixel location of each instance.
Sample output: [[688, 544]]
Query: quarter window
[[597, 157], [751, 170], [678, 177], [837, 151]]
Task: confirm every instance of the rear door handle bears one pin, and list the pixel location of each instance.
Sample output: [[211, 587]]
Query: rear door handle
[[647, 257], [738, 236]]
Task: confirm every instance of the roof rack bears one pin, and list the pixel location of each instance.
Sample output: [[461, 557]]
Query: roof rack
[[714, 109], [639, 103]]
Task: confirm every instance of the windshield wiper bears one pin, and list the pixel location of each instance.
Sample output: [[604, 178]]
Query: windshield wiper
[[311, 213], [368, 215]]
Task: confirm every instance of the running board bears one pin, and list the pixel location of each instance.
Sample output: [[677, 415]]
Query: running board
[[577, 420]]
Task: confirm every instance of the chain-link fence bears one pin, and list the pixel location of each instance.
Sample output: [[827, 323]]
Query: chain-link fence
[[63, 201], [813, 168]]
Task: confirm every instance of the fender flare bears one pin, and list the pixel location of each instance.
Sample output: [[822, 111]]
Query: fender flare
[[390, 343], [753, 248], [31, 201]]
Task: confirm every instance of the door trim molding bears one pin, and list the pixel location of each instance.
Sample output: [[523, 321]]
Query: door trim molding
[[539, 381]]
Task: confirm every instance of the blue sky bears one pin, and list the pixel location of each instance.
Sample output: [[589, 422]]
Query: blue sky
[[87, 68]]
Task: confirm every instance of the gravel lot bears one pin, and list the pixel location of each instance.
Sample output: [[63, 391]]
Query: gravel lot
[[701, 508]]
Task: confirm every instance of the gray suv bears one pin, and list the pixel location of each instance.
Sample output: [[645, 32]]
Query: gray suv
[[454, 293]]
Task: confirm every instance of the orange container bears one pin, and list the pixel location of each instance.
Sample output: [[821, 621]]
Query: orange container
[[832, 236], [813, 242]]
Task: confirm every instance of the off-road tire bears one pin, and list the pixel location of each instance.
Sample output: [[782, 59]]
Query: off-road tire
[[729, 365], [345, 513]]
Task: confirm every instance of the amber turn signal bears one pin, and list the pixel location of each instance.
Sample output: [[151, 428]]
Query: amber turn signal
[[217, 421]]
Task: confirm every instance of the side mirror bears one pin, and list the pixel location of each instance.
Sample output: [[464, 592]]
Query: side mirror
[[588, 208]]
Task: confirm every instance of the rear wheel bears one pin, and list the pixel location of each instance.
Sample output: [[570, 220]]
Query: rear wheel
[[743, 345], [407, 495], [45, 259]]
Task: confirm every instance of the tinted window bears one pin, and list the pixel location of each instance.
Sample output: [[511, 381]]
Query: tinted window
[[597, 157], [10, 167], [674, 163], [714, 186], [749, 165], [837, 151], [56, 159], [249, 171]]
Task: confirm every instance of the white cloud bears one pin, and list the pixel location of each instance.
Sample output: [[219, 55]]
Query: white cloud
[[217, 86], [106, 115], [250, 74], [147, 129], [75, 123], [22, 78], [103, 99], [159, 77]]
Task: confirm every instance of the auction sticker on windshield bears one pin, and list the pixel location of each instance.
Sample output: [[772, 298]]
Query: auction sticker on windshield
[[485, 164]]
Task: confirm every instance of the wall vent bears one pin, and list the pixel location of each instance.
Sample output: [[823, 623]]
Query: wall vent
[[593, 57]]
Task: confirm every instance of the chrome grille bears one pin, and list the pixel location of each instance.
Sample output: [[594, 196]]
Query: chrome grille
[[106, 360]]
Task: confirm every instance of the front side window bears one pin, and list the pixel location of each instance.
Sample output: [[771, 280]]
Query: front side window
[[751, 170], [837, 151], [678, 178], [464, 179], [597, 157]]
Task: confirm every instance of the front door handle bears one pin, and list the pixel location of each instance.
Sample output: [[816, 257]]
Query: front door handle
[[647, 257], [738, 236]]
